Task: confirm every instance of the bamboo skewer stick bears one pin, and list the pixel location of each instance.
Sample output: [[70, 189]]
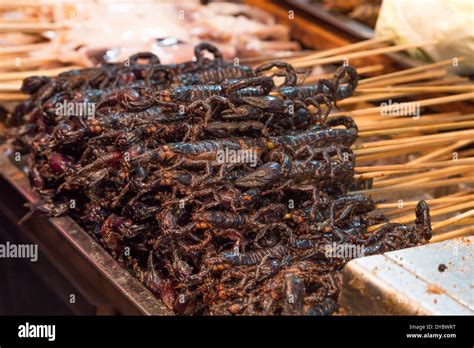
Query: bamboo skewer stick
[[411, 70], [400, 121], [426, 128], [23, 48], [441, 151], [363, 70], [414, 140], [19, 75], [13, 96], [433, 201], [394, 153], [432, 89], [466, 222], [435, 74], [411, 187], [361, 54], [440, 82], [343, 49], [421, 103], [396, 213], [423, 177], [10, 87], [27, 62], [17, 3], [28, 27], [407, 147], [403, 92], [436, 212], [452, 234], [382, 174], [422, 166], [442, 224], [369, 97], [466, 153], [438, 205], [406, 124]]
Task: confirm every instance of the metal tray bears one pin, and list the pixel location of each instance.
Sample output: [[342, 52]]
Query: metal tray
[[80, 258]]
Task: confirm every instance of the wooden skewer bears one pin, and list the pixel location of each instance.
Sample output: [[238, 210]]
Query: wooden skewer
[[407, 147], [20, 75], [394, 153], [433, 89], [343, 49], [438, 127], [454, 80], [442, 151], [382, 174], [436, 212], [406, 124], [13, 96], [369, 97], [428, 165], [435, 74], [414, 140], [410, 204], [397, 92], [440, 205], [418, 186], [23, 48], [18, 3], [363, 70], [30, 27], [383, 178], [423, 177], [369, 123], [411, 70], [27, 62], [461, 154], [345, 57], [10, 87], [468, 222], [396, 213], [442, 224], [465, 231], [464, 154], [420, 103]]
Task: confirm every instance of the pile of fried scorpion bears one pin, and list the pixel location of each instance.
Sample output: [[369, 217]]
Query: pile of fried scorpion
[[214, 185]]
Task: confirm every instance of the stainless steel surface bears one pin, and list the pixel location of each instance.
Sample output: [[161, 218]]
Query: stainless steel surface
[[81, 258], [408, 281]]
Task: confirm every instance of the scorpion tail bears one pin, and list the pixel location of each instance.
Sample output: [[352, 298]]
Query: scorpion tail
[[345, 121], [205, 46], [423, 219]]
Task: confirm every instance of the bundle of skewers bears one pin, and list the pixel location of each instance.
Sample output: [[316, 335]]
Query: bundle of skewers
[[48, 35], [405, 150]]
